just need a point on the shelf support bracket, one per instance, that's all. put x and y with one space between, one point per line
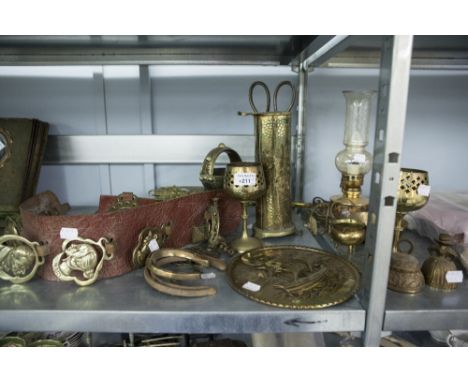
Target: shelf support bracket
390 126
300 135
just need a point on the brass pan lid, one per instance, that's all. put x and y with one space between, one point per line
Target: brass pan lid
293 277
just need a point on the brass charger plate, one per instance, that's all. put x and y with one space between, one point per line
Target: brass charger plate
293 277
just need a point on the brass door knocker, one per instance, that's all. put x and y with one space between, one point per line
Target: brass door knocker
146 236
210 230
83 256
19 258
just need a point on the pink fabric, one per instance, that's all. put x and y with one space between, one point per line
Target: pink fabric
444 212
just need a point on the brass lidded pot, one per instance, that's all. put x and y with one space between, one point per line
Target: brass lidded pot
405 274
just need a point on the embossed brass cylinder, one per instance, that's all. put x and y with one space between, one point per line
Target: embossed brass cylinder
273 151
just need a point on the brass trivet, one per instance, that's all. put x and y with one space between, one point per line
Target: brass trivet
294 277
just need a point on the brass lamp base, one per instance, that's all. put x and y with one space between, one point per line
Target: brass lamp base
344 207
265 233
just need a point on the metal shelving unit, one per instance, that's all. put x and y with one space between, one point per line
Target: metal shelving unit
127 304
385 309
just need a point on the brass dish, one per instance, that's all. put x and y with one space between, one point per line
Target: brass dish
294 277
349 232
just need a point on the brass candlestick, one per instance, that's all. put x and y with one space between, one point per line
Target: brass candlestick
413 193
245 181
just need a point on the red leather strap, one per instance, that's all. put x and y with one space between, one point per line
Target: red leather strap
122 226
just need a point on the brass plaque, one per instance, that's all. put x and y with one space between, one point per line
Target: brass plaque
293 277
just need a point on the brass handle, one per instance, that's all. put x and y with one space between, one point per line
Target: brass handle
207 170
267 93
293 96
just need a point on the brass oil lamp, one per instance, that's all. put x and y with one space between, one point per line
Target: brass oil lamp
348 211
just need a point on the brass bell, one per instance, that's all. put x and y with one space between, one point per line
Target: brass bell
440 262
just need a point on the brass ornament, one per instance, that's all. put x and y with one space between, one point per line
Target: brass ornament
248 191
12 225
162 258
210 230
162 194
83 256
19 258
350 204
348 232
273 151
211 177
160 278
294 277
442 260
6 143
142 248
408 198
124 201
405 273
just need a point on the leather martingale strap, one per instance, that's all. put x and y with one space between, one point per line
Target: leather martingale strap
122 227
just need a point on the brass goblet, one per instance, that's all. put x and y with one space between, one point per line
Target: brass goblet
349 232
413 193
245 181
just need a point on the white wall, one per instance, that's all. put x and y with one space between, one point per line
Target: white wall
206 99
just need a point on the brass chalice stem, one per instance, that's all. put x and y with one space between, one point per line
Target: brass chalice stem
399 228
245 215
350 251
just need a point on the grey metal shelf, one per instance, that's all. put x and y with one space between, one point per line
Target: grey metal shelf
431 309
128 304
146 50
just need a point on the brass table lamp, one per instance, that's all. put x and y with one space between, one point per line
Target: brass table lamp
245 181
